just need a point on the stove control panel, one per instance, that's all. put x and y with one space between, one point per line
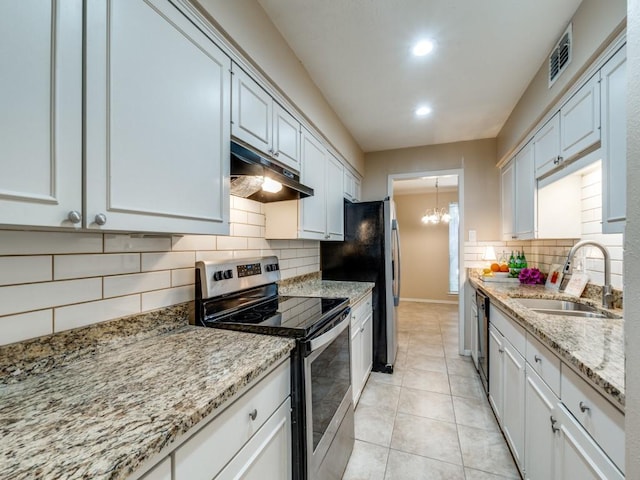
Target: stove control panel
219 278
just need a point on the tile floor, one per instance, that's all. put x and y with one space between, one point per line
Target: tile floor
430 419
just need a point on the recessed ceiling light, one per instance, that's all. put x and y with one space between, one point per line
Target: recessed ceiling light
423 111
422 48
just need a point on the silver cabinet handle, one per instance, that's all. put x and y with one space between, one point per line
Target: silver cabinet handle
100 219
554 429
327 236
584 407
501 350
74 216
276 153
362 329
537 358
254 414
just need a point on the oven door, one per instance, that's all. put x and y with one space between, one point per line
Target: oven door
328 397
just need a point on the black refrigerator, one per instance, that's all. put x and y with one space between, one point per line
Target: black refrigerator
370 252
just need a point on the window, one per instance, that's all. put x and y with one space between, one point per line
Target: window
454 225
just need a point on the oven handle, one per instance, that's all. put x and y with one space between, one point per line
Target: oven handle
328 337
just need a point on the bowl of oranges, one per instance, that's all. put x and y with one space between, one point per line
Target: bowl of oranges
500 269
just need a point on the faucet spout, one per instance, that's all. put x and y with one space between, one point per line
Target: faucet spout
607 294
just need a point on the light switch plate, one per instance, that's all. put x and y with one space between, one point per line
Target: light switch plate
472 236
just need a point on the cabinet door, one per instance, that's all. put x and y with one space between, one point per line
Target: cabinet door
513 406
496 375
614 142
335 199
41 113
367 346
546 146
525 193
540 422
157 121
580 120
348 184
252 111
356 359
161 471
507 176
578 456
267 454
314 209
286 138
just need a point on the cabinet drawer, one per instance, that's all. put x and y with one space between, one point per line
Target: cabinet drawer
360 311
598 417
161 471
544 363
508 327
209 450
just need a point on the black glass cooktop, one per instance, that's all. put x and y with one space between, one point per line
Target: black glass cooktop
281 315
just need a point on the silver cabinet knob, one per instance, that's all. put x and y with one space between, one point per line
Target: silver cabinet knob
537 358
554 429
74 216
254 414
276 153
100 219
501 350
584 407
327 236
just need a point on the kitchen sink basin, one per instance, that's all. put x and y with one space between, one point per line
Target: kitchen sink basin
564 307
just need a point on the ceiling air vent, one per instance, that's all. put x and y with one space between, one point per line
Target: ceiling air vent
560 56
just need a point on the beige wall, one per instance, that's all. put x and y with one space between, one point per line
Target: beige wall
424 248
595 24
481 209
247 26
632 247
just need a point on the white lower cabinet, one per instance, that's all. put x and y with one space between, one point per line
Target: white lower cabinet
557 425
361 345
161 471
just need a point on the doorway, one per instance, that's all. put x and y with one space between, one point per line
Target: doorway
429 208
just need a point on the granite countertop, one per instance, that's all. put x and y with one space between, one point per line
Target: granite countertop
103 415
316 287
593 346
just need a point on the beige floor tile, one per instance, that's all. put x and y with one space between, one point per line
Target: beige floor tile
426 437
417 347
367 462
486 451
462 366
374 425
380 395
431 363
472 474
472 413
424 380
405 466
426 404
394 378
469 387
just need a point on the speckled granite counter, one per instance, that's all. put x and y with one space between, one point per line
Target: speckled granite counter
104 415
316 287
593 346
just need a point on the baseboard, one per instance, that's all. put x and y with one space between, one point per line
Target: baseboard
423 300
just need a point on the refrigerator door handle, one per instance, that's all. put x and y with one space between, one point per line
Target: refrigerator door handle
396 283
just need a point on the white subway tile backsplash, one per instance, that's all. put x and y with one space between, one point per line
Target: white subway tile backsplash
165 298
258 244
282 244
239 216
25 269
35 243
183 276
255 219
193 242
139 282
136 243
241 230
24 326
166 261
38 296
232 243
74 316
80 266
239 254
216 256
240 203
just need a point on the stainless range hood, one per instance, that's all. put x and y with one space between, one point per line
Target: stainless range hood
249 171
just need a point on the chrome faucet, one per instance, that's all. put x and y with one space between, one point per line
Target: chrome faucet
607 294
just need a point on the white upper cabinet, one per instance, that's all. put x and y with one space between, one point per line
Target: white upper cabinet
157 121
262 123
41 113
507 199
313 218
546 146
335 202
525 194
351 186
580 120
614 142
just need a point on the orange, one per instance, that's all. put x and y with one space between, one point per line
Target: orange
495 267
504 267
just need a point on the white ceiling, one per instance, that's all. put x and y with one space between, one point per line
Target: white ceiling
446 183
358 52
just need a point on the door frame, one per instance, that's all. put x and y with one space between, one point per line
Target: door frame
462 271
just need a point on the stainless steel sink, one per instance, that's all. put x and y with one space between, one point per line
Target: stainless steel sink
564 307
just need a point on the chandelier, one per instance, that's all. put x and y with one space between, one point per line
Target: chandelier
436 215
